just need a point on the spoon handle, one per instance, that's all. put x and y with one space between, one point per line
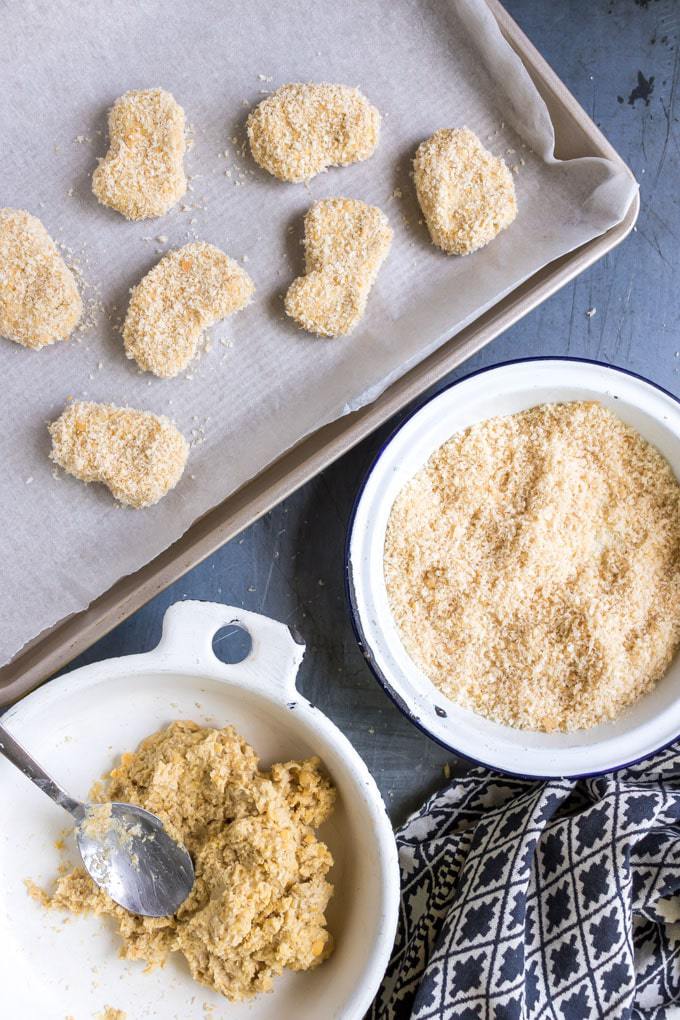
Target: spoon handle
19 756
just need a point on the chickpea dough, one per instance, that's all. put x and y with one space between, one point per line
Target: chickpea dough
346 242
466 194
39 299
142 174
258 903
189 290
139 456
302 129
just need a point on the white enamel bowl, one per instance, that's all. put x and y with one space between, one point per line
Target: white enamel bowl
645 727
76 725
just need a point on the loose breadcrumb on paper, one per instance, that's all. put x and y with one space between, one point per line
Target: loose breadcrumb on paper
259 900
142 174
138 455
533 567
302 129
466 194
346 242
39 298
189 290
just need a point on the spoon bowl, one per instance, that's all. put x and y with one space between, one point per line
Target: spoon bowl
128 853
124 848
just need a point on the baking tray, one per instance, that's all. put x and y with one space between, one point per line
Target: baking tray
575 135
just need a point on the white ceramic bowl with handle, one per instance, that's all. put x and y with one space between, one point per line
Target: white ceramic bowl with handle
77 725
649 724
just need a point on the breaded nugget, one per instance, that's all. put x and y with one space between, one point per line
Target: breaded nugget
139 456
346 242
466 194
189 290
142 174
39 299
301 129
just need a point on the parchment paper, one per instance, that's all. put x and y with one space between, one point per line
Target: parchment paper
264 384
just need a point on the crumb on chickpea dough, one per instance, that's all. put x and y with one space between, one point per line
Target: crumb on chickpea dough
467 195
184 294
39 298
346 242
142 174
301 129
138 455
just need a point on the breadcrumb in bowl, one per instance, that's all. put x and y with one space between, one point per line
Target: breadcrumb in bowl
533 567
39 299
139 456
648 723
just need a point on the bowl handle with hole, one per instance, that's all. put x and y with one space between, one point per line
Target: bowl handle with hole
190 626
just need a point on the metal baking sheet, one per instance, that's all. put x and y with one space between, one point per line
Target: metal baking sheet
576 135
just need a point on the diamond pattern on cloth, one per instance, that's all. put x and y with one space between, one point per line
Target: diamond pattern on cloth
554 900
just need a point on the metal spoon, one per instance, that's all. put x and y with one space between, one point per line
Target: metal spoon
124 848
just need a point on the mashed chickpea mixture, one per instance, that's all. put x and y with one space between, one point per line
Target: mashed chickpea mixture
260 895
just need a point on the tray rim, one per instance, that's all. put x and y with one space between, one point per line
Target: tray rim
56 646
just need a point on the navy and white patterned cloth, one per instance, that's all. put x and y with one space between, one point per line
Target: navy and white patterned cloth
525 899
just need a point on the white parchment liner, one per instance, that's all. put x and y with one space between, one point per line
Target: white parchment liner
424 64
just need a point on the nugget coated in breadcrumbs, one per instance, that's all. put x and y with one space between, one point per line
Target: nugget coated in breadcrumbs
466 194
302 129
139 456
346 242
142 174
39 299
189 290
